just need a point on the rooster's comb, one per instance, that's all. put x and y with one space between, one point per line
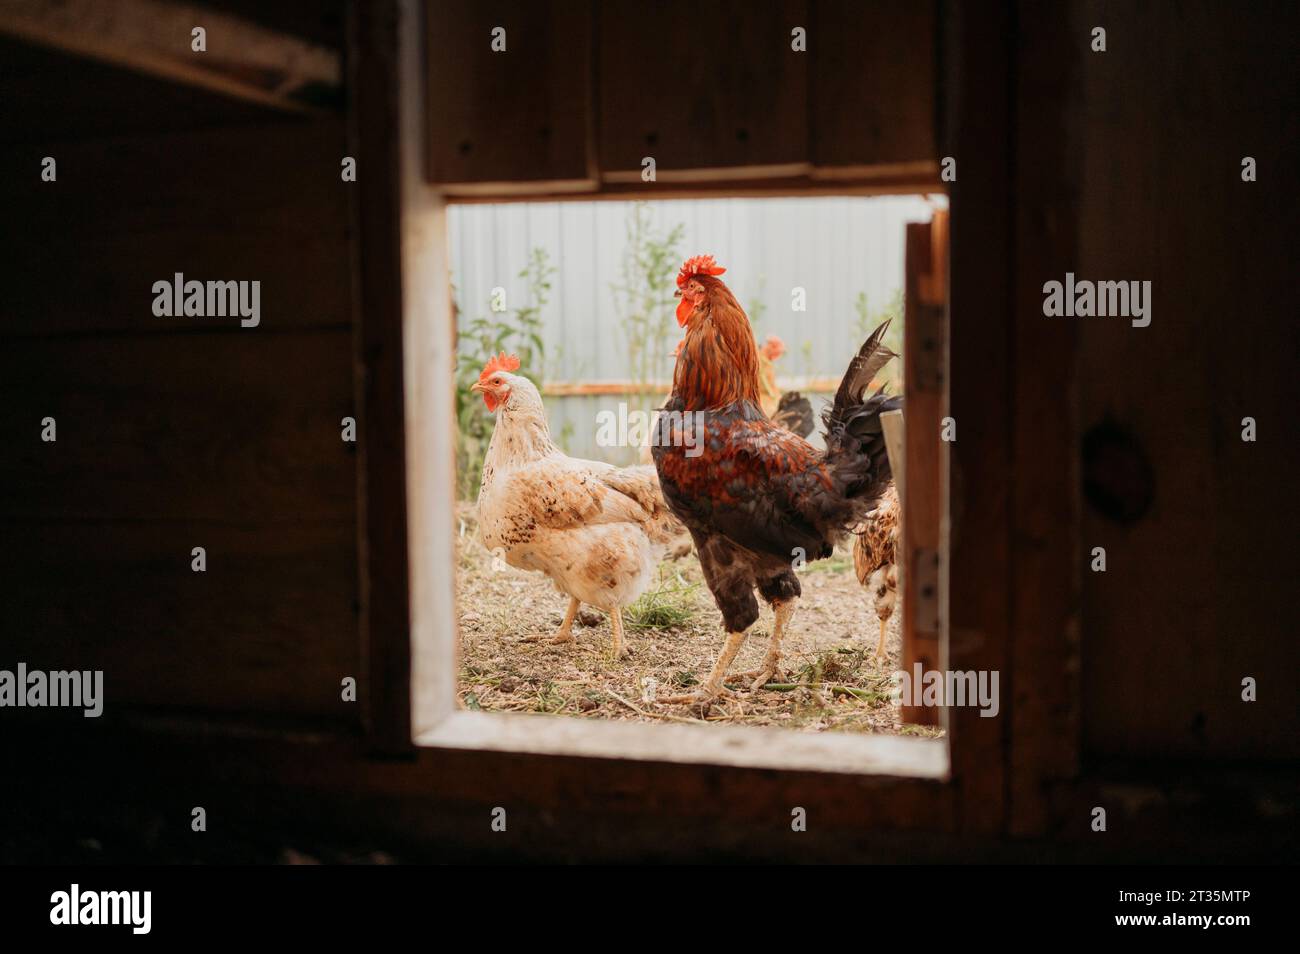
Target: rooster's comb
699 265
498 362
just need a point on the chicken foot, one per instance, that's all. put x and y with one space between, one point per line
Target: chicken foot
713 687
565 633
772 659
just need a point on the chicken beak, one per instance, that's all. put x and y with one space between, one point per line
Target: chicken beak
678 293
477 388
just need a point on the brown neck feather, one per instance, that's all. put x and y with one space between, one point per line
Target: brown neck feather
718 363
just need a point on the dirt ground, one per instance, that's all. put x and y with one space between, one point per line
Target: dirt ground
831 681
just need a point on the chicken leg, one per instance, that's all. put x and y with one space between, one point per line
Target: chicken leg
713 687
616 624
565 633
771 661
880 646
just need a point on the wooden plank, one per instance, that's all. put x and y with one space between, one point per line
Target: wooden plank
429 355
728 92
977 491
265 204
433 808
242 59
921 493
873 77
1045 551
269 628
621 187
383 139
48 94
223 427
523 114
1197 593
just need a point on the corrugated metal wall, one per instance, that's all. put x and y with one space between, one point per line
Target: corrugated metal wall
834 248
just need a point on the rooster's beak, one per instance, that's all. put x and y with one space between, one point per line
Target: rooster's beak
678 293
477 388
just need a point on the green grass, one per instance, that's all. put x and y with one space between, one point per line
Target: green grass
670 605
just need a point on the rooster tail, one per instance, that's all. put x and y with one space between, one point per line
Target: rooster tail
871 357
855 438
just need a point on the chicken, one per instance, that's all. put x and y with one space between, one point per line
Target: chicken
769 395
791 410
874 552
795 414
759 500
596 530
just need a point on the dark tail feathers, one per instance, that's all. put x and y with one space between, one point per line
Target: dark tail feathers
855 440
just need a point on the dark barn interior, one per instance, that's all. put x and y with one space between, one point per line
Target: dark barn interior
1122 689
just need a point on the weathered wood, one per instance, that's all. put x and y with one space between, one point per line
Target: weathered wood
429 354
620 810
523 114
979 394
268 628
383 140
234 428
924 177
49 95
1045 552
1198 593
265 204
701 87
873 78
920 493
242 59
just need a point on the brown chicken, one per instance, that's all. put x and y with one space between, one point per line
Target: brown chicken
757 499
791 410
874 553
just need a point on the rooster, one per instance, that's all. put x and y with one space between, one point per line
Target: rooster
759 499
596 530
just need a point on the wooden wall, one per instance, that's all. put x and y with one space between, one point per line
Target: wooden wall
1197 592
713 92
174 433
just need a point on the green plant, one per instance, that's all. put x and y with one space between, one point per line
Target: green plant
643 297
518 331
806 354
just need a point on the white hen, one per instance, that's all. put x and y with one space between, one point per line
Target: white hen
596 530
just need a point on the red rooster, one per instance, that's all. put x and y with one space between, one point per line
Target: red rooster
757 499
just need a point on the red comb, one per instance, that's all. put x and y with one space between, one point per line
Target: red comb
498 362
699 265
